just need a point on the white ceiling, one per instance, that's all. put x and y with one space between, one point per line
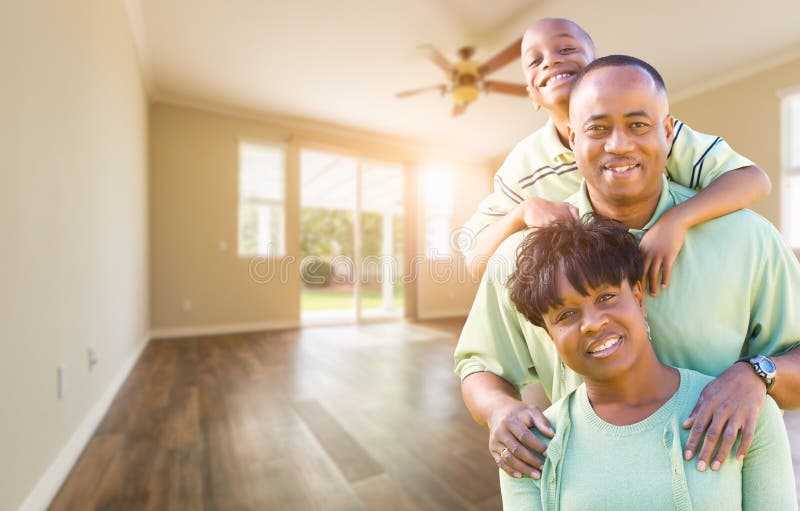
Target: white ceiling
342 61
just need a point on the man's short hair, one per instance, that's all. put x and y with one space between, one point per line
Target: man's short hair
619 61
592 252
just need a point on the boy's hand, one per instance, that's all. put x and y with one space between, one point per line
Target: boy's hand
660 246
536 212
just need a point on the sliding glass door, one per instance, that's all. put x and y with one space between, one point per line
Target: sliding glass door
351 234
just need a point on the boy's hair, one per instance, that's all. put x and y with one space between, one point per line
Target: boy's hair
591 252
619 61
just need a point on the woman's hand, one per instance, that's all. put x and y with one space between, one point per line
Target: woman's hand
513 446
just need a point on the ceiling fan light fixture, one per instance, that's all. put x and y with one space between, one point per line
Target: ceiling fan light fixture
465 94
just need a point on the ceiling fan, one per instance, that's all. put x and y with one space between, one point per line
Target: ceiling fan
466 78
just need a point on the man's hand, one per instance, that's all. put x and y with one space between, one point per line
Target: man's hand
660 246
510 439
535 212
729 404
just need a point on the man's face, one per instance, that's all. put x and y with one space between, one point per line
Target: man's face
620 130
552 52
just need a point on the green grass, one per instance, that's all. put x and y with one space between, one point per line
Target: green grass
326 299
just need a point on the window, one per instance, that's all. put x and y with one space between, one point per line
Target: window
262 192
438 192
790 222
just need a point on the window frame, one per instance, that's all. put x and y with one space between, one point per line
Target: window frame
255 201
428 216
790 175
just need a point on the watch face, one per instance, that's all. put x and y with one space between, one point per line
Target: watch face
767 365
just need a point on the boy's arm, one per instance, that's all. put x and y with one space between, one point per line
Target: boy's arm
729 192
728 182
532 212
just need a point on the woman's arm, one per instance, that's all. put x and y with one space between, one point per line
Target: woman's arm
520 494
767 475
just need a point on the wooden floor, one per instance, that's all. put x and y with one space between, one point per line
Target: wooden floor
335 418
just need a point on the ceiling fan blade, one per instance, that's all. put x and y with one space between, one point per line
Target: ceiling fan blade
510 53
406 93
515 89
459 108
437 58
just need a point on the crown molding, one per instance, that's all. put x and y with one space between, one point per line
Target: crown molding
723 79
133 9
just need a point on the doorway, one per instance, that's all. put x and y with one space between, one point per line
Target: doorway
351 238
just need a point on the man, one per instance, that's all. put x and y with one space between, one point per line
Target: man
735 289
540 172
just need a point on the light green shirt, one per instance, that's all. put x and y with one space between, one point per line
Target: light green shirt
540 166
734 291
594 465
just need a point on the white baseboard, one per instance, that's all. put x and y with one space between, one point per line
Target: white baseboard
45 490
234 328
443 314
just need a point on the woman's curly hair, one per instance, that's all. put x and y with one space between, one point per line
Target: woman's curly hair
592 252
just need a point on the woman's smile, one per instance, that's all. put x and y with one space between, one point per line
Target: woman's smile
605 347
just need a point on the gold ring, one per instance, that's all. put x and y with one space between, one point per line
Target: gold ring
503 452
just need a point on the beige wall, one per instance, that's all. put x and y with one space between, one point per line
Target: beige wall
445 286
194 206
747 114
73 209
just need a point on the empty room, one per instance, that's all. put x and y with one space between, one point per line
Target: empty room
262 255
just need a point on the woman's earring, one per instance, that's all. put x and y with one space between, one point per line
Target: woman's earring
650 337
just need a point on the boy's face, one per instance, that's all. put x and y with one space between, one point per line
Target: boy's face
552 52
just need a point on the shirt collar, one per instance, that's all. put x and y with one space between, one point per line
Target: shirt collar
665 201
552 144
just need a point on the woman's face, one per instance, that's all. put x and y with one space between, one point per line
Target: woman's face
601 335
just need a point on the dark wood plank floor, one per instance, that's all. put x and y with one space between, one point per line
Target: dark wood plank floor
335 418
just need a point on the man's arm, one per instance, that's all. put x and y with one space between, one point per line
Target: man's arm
495 403
786 390
731 402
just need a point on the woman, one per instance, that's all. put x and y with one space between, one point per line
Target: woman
618 436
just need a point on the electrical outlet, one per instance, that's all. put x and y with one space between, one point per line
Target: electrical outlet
187 306
61 382
91 356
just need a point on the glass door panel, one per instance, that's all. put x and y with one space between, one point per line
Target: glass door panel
327 241
381 240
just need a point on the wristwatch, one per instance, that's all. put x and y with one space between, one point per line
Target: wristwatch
764 368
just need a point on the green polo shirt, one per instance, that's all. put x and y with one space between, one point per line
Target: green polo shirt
540 166
734 291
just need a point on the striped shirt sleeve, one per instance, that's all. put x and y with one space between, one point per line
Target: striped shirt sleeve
506 194
695 159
